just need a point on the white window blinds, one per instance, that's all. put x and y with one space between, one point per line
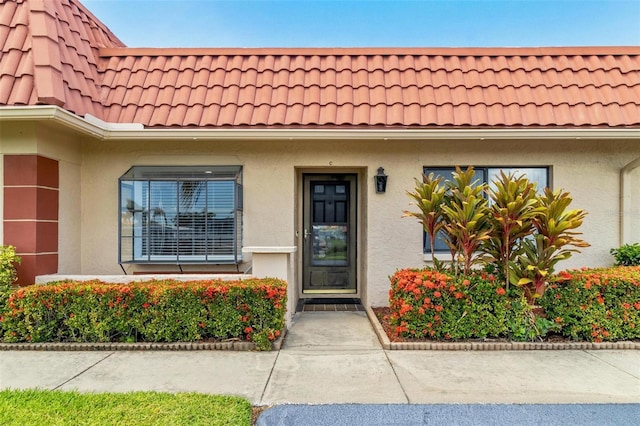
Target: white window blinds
181 214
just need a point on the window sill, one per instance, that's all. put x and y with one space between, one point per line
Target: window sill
223 261
442 257
270 249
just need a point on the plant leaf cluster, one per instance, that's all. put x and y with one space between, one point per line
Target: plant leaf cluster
507 225
8 274
627 255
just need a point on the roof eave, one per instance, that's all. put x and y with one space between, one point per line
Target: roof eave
370 134
101 130
54 114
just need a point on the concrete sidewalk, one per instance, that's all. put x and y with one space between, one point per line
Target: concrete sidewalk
335 358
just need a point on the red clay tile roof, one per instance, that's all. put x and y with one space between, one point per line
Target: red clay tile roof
49 51
89 71
373 87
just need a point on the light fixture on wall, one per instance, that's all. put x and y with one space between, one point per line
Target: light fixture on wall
381 181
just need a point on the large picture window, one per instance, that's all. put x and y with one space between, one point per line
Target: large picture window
181 214
537 175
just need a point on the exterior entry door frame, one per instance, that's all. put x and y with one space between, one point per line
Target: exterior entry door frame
329 234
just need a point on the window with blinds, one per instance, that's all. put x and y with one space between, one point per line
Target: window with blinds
537 175
181 214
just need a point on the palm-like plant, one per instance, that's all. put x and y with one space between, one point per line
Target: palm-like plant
514 206
466 217
524 233
555 239
428 196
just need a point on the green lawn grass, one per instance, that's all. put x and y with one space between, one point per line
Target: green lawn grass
41 407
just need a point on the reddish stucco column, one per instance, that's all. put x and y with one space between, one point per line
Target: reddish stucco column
31 213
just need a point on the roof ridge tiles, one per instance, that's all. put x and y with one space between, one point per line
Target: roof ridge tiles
96 23
374 51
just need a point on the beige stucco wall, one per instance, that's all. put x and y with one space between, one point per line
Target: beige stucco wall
590 172
90 168
631 214
65 147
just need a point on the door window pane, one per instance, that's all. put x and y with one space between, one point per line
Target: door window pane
329 245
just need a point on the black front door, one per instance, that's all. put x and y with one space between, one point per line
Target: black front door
329 232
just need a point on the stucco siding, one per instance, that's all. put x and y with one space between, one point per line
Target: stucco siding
69 219
590 173
633 212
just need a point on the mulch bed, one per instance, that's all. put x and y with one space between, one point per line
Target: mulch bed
256 410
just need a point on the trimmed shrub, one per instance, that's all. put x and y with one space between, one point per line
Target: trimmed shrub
596 304
8 276
627 255
153 311
8 260
429 304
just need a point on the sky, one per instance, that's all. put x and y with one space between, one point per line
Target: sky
370 23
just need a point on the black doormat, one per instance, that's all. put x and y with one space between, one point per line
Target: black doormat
326 304
330 300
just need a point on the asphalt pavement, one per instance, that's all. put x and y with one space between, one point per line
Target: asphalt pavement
451 414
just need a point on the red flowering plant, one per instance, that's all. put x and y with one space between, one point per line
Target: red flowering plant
597 305
428 304
153 311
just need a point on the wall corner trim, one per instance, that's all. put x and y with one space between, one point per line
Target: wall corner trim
625 196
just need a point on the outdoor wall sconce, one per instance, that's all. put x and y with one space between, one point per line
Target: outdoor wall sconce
381 181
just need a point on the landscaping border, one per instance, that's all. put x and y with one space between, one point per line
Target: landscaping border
237 346
489 346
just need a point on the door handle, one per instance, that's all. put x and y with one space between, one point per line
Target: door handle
306 234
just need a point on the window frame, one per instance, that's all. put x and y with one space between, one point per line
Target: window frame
445 254
176 174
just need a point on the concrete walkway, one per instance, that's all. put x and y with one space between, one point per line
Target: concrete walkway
335 357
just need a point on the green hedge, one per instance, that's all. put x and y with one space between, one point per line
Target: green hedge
584 305
8 275
153 311
596 304
428 304
627 255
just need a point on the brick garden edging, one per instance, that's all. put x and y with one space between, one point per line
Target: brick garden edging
177 346
488 346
